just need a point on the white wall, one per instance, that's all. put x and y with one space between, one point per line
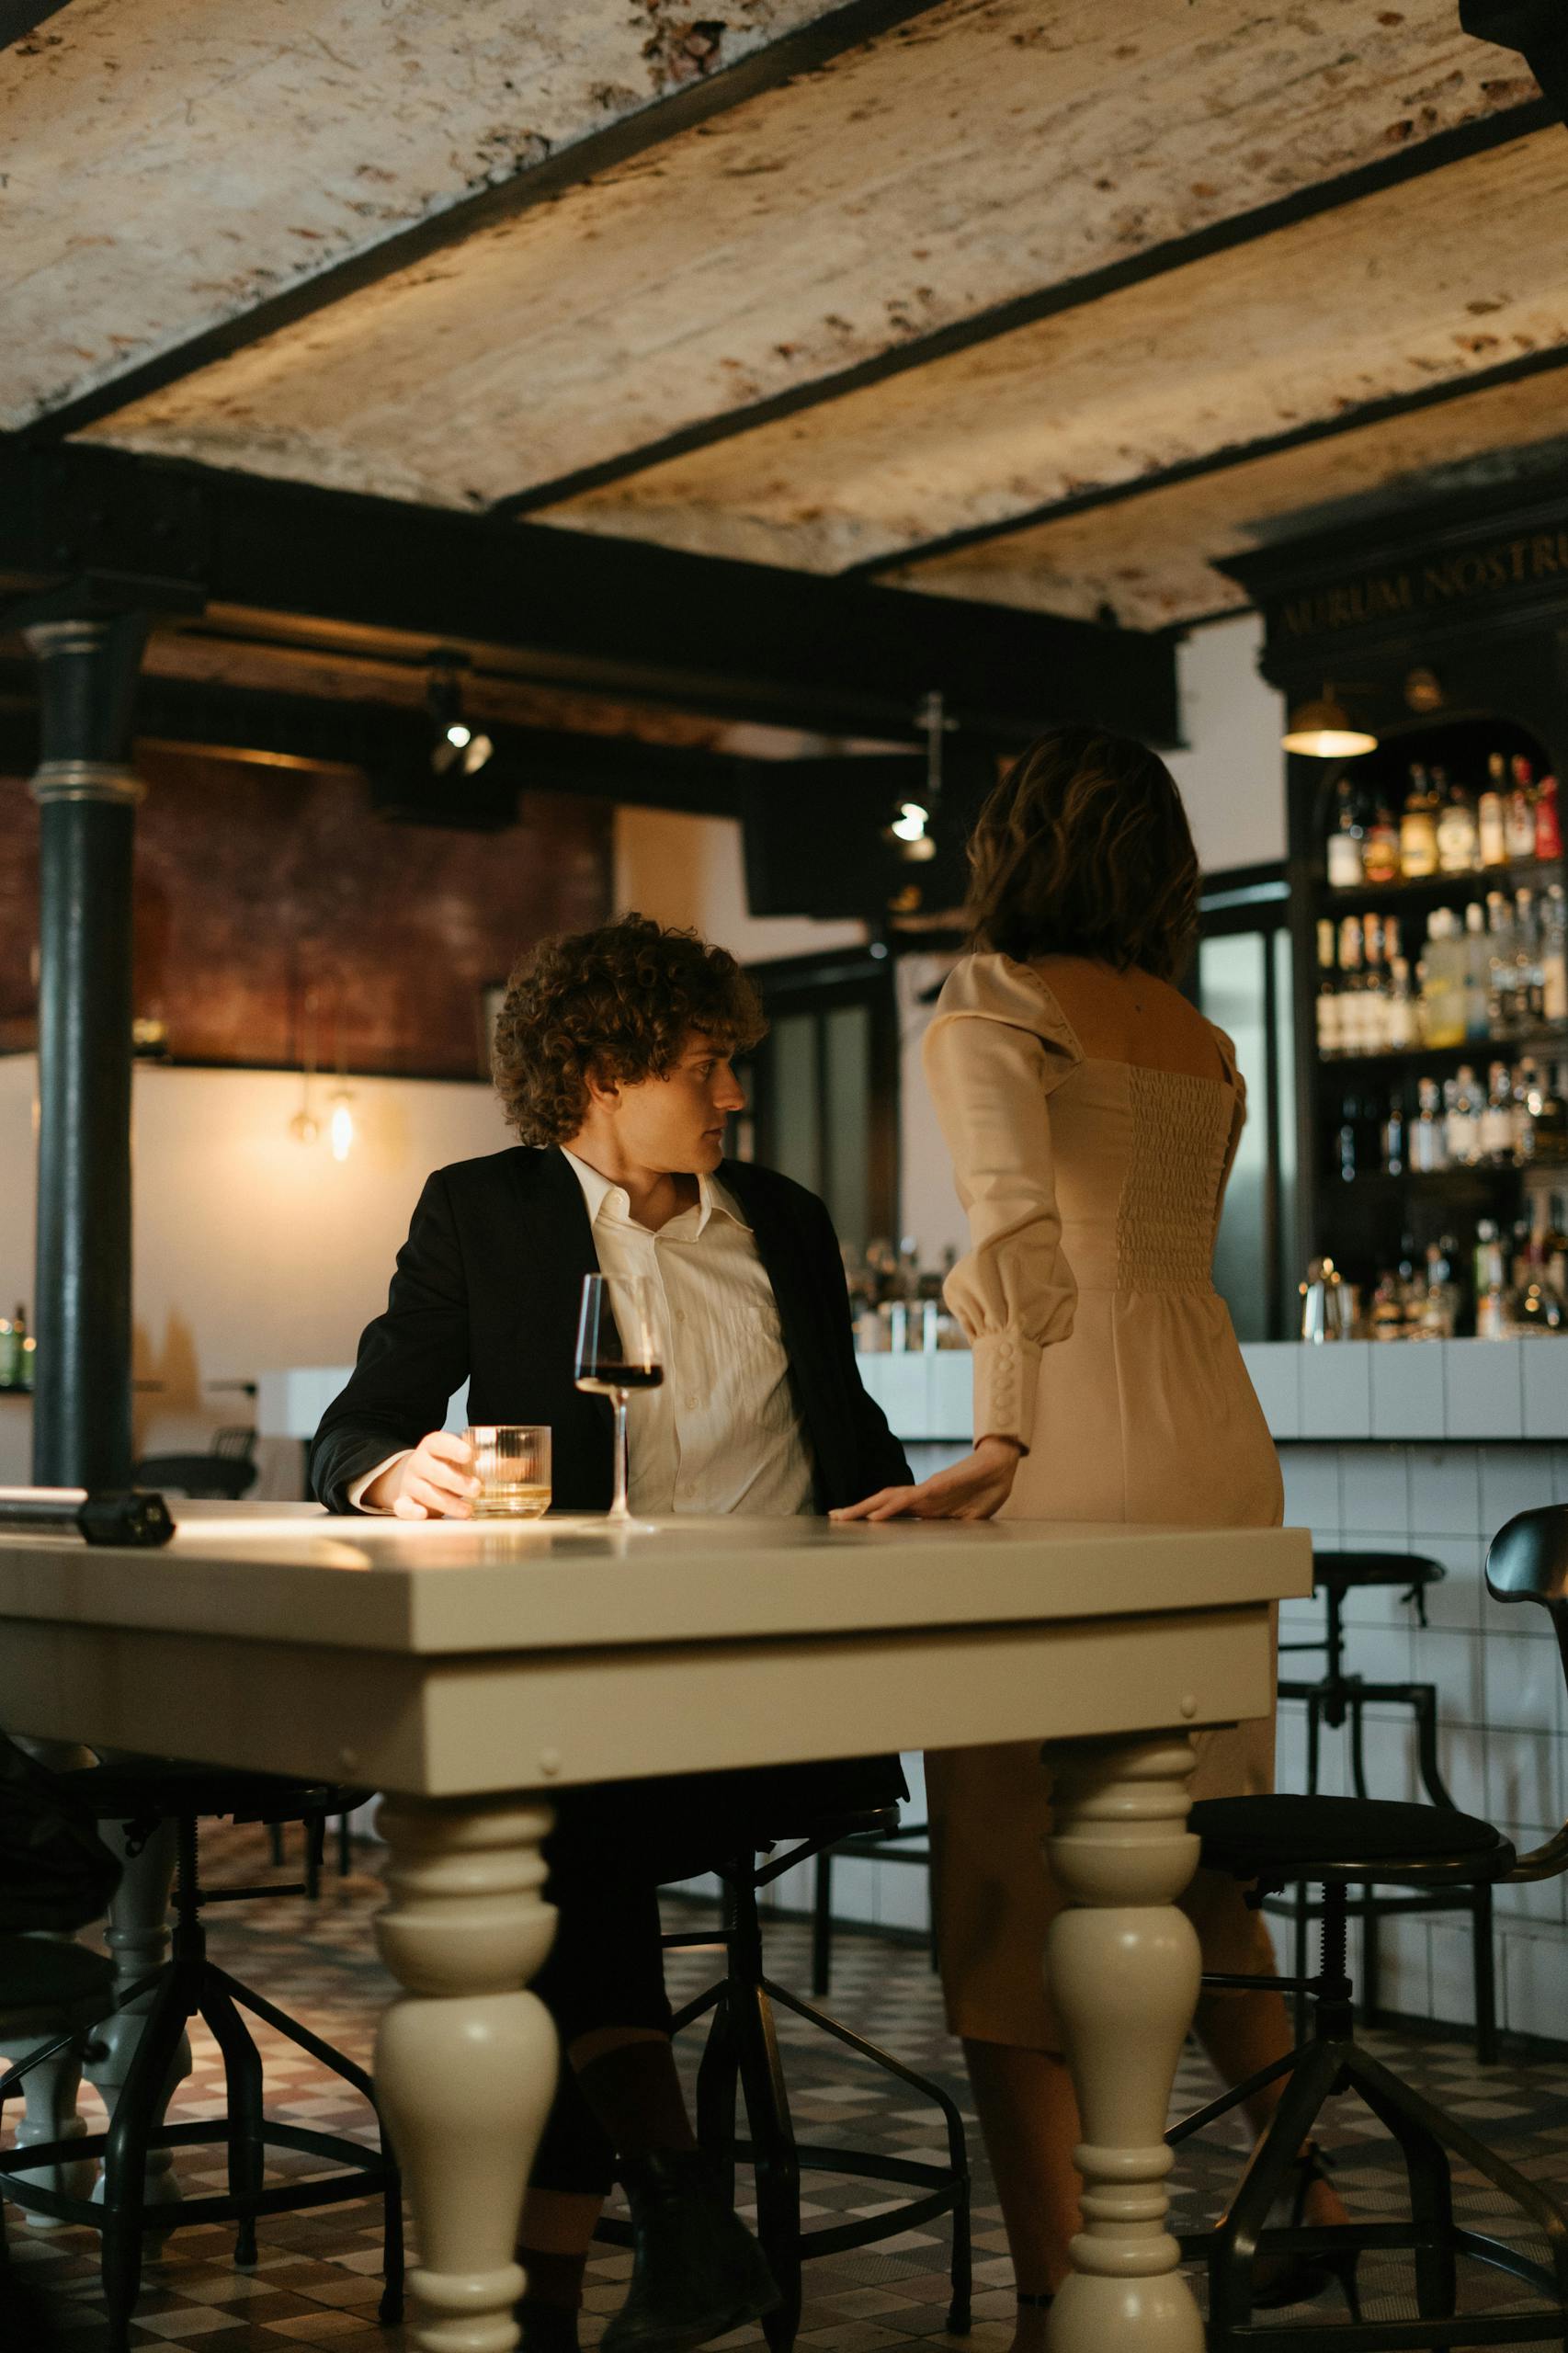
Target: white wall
1233 779
688 871
251 1251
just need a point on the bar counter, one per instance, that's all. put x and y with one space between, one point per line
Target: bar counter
468 1670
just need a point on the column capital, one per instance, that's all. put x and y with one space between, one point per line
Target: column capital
78 634
86 780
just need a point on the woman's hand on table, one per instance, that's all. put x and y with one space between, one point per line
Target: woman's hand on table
971 1489
436 1481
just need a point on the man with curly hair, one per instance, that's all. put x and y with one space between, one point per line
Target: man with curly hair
614 1059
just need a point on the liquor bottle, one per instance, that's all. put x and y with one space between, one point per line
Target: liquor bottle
1554 1243
1492 839
1352 982
1440 1314
26 1349
1380 848
1461 1106
1494 1131
1491 1283
1400 1008
1345 867
1328 1022
1501 968
1526 1104
1393 1137
1477 975
1374 990
1442 995
1457 847
1548 1117
1554 955
1548 820
10 1367
1428 1134
1418 829
1518 810
1347 1141
1529 979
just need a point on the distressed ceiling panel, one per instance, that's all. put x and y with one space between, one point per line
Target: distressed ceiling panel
168 166
990 149
1150 557
1388 296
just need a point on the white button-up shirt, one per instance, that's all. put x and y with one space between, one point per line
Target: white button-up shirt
723 1432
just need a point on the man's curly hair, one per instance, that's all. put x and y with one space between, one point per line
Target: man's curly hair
622 1001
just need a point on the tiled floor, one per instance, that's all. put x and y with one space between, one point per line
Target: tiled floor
317 2279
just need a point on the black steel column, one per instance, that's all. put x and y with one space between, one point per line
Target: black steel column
87 796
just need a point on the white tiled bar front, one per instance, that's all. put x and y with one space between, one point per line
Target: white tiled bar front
1428 1448
1418 1447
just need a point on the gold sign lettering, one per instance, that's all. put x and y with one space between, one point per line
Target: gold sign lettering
1444 580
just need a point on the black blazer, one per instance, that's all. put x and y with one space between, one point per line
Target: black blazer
487 1290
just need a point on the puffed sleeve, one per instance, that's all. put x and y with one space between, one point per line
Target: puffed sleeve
996 1050
1238 1108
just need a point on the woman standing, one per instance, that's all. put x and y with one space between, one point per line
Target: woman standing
1093 1116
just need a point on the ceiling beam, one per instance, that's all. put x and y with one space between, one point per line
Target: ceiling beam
1218 461
247 723
812 46
1403 165
1536 28
20 18
613 617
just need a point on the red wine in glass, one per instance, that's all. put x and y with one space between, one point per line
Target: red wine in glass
605 1379
616 1353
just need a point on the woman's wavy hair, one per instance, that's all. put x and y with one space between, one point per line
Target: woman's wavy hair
621 1001
1083 849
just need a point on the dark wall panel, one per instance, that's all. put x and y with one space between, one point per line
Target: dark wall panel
256 885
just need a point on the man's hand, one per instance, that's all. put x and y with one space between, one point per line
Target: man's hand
436 1481
971 1489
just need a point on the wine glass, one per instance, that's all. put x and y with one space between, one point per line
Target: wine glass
617 1352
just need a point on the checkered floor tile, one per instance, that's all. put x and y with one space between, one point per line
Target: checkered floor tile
317 2279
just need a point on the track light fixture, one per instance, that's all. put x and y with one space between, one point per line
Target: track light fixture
457 745
910 830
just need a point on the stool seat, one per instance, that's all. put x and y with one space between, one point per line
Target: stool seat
211 1478
1277 1839
875 1822
135 1792
50 1978
1342 1572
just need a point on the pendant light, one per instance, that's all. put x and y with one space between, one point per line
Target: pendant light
1322 729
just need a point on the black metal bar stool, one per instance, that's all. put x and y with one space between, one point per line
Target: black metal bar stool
1338 1700
909 1843
188 1985
741 2060
1339 1843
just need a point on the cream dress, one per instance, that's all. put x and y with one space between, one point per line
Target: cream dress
1093 1190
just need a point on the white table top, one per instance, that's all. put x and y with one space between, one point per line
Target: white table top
245 1570
446 1658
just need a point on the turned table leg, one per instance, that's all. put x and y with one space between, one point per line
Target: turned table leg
138 1941
1123 1967
50 2114
465 2057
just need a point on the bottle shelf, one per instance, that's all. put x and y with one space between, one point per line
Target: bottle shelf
1439 890
1474 1178
1545 1045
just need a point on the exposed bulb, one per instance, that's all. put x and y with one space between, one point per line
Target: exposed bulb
910 823
340 1131
458 734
